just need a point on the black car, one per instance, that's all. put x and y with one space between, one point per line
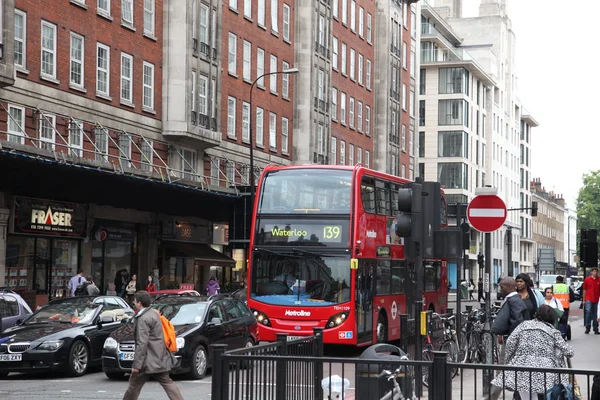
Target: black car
64 334
199 322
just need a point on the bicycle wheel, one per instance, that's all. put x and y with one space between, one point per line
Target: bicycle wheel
427 355
463 346
451 348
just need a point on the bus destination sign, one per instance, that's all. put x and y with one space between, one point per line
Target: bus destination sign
302 233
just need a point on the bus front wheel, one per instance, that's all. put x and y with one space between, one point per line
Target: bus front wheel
382 329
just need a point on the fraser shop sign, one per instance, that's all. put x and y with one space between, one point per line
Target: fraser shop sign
44 217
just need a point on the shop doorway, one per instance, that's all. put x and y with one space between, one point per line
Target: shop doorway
109 258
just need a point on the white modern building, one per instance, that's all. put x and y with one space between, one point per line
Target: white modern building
571 237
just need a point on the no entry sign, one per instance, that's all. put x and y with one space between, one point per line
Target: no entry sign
486 213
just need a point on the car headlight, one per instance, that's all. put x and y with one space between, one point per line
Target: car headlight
180 343
50 345
110 343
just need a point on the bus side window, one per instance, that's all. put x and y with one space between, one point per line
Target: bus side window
398 271
383 277
368 196
383 198
394 199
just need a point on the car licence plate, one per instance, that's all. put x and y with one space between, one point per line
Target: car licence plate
11 357
126 356
289 338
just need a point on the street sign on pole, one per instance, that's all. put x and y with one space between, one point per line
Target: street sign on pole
486 213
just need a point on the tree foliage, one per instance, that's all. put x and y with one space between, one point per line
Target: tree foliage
588 202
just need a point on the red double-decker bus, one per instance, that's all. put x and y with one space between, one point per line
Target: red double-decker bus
324 254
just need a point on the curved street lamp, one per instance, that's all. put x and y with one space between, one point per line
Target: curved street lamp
252 184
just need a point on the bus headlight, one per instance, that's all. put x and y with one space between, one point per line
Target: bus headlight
261 318
336 320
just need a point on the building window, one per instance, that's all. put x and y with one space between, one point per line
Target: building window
351 112
261 12
421 112
149 17
285 82
231 117
215 165
413 64
247 60
101 136
193 101
272 131
232 53
102 70
16 124
422 77
359 116
345 12
274 15
284 135
320 142
403 138
260 67
126 78
204 24
453 175
260 124
352 63
188 164
454 80
368 73
147 155
361 22
148 96
125 150
343 108
333 156
245 122
411 142
369 29
248 8
404 60
202 95
76 138
404 96
351 155
335 8
403 171
233 4
334 104
360 69
359 151
367 159
344 58
230 172
48 50
342 152
412 104
321 85
127 11
273 78
76 73
321 31
453 144
453 112
353 16
334 60
20 39
104 6
286 22
367 120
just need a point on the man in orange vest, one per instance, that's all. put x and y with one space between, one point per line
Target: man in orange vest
564 294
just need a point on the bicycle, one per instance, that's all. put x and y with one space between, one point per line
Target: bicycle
449 344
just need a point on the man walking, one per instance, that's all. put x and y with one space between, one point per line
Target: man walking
564 294
591 294
75 282
151 358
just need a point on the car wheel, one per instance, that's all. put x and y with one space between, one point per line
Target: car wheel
79 357
199 363
118 376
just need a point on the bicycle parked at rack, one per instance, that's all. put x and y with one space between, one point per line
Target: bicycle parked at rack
449 343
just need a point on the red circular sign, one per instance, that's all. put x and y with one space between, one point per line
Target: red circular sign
486 213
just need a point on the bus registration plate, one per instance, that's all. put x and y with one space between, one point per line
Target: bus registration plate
294 338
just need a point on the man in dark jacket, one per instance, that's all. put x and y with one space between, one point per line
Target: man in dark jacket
151 358
513 311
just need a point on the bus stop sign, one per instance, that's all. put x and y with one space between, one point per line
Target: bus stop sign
486 213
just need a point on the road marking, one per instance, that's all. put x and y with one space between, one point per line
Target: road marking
65 391
101 391
487 212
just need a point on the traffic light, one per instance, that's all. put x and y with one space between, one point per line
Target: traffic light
432 204
409 223
480 260
534 208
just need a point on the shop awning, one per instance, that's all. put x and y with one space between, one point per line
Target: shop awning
198 251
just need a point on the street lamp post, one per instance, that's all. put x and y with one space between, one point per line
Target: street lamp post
252 185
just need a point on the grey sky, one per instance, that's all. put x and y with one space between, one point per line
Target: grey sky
558 85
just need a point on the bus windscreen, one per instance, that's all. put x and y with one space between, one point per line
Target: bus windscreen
300 278
325 191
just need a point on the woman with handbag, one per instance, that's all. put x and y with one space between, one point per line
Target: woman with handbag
535 343
554 303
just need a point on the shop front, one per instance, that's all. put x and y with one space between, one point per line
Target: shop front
113 250
186 257
43 248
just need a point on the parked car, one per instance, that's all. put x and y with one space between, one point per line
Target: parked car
65 334
199 322
546 281
241 294
13 309
181 292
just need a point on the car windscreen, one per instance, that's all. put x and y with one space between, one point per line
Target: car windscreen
182 313
75 312
548 279
301 279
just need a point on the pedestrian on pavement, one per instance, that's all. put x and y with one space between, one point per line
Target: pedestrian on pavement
535 344
471 289
212 287
131 288
151 358
527 294
553 302
150 285
92 289
591 294
480 296
121 279
76 281
512 312
564 294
